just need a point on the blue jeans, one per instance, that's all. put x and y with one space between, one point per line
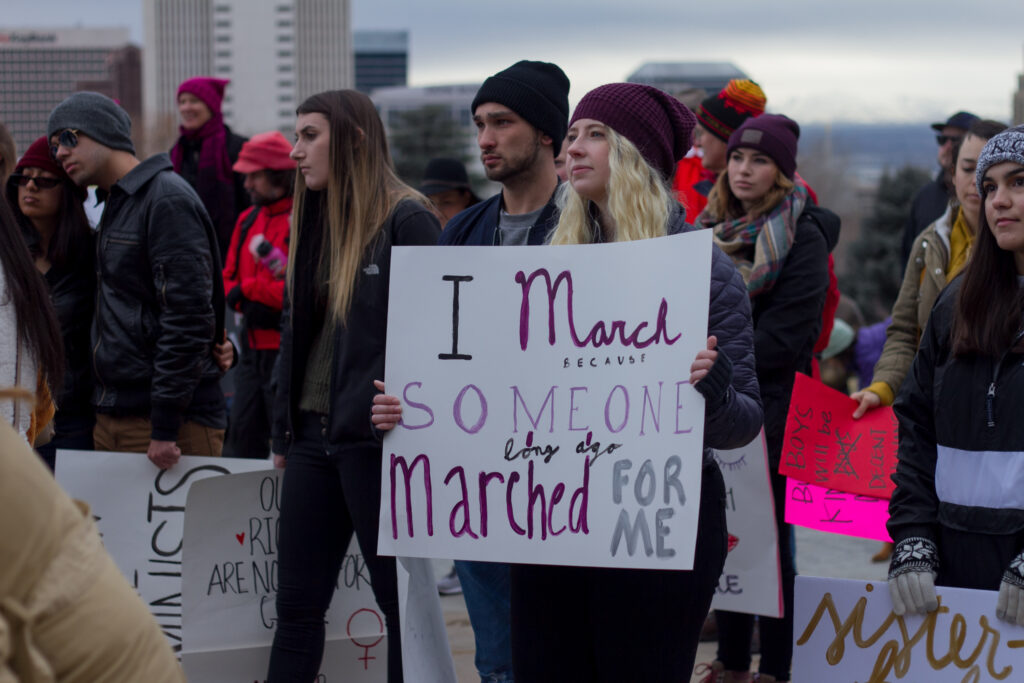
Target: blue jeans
485 586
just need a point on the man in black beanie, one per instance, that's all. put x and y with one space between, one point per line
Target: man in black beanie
521 116
159 296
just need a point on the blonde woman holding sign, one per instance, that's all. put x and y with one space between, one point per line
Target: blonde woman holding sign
601 624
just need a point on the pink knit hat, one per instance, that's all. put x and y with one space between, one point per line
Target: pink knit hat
209 90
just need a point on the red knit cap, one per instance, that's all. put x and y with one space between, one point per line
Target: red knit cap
654 121
38 156
266 151
209 90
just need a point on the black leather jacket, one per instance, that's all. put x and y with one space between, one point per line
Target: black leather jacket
159 303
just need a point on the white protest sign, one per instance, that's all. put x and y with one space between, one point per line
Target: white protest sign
752 579
548 415
140 512
846 631
230 578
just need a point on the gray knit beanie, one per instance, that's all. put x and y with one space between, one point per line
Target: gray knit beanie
1007 146
95 115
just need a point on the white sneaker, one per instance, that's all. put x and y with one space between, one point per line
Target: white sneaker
449 583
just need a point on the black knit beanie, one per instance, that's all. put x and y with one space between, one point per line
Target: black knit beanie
537 91
97 116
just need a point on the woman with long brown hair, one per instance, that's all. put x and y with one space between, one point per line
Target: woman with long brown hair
350 209
48 207
31 356
957 513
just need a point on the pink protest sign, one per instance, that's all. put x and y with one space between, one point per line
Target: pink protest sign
835 511
825 446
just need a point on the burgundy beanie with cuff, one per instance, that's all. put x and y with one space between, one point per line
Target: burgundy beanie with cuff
772 134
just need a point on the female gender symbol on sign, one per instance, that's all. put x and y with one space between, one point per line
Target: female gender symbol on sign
365 659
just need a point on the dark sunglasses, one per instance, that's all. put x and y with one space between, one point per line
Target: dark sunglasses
67 138
23 180
943 139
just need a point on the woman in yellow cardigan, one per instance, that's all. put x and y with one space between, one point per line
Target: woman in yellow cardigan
938 255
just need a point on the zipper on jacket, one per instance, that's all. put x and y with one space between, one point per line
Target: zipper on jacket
989 400
990 396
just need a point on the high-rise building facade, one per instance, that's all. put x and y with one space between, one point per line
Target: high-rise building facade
275 53
40 67
381 59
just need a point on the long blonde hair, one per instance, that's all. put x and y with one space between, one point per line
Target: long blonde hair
362 191
723 204
639 201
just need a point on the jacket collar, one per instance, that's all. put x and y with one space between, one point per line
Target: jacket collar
282 205
136 178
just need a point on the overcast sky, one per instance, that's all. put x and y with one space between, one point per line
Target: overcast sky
817 60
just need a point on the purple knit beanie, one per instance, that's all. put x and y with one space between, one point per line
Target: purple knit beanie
773 134
209 90
654 121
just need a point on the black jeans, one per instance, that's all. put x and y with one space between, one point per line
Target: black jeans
252 409
601 624
735 630
325 496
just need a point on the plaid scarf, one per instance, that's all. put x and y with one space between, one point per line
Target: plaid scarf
759 249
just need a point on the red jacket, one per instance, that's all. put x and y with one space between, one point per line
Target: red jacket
257 282
690 174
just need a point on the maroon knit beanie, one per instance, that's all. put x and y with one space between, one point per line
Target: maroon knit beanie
209 90
773 134
38 156
654 121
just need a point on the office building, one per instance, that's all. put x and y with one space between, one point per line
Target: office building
40 67
381 59
275 53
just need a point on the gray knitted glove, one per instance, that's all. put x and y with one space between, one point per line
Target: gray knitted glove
1010 604
912 571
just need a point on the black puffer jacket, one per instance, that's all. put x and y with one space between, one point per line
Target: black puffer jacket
735 419
159 303
359 346
787 320
961 438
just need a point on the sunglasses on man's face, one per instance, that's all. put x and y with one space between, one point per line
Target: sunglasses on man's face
943 139
22 180
67 138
